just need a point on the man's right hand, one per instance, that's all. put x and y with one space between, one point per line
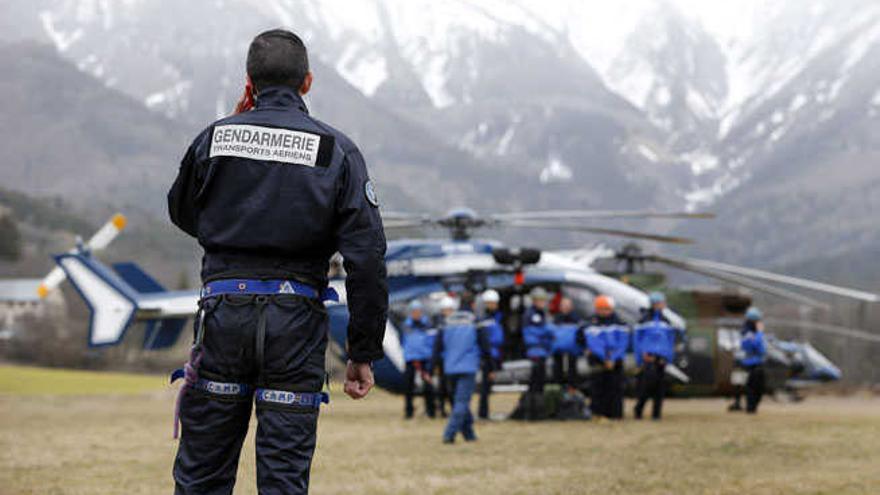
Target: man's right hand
358 380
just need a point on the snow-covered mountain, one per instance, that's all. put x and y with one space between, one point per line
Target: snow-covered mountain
569 103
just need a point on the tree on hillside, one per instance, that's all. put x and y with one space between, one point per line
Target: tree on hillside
10 238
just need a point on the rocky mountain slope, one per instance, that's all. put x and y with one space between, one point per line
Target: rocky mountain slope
766 113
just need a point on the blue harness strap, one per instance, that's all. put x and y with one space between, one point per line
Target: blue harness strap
267 287
285 398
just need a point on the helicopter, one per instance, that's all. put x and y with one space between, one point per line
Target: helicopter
123 294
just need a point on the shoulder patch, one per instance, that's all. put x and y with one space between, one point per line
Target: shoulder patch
272 144
370 193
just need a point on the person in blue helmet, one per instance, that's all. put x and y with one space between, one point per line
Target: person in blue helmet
460 345
418 347
751 359
654 347
493 323
606 338
538 337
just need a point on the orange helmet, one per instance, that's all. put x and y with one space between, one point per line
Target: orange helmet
603 303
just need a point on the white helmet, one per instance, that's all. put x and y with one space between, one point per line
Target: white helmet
447 303
491 296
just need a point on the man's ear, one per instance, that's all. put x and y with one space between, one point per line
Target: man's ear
307 84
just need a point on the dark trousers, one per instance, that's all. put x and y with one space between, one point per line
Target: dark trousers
486 368
427 391
565 369
214 426
538 375
754 388
607 392
651 385
443 392
461 420
737 398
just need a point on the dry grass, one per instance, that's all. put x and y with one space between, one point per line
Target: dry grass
112 444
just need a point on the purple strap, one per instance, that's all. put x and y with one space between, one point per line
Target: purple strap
190 377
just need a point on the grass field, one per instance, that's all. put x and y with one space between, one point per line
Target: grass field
86 433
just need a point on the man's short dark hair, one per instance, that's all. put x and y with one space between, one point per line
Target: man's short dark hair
277 58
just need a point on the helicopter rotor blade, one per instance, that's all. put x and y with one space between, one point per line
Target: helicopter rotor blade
401 224
784 279
597 214
737 280
853 333
598 230
399 215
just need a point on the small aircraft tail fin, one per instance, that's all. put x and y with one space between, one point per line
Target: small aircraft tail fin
160 333
112 302
102 238
137 278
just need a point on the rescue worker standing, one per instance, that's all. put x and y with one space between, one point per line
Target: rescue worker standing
653 346
567 346
752 358
538 338
418 348
271 193
460 345
447 308
493 324
607 340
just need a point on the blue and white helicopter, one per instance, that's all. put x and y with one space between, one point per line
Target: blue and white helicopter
425 269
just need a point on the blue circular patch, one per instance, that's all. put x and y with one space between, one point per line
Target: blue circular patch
370 192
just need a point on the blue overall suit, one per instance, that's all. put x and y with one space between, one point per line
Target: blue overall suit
754 351
418 348
607 340
653 346
566 349
271 194
538 339
492 324
460 345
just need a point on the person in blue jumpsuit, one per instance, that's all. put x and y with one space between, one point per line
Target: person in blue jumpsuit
447 308
567 348
751 358
493 324
607 341
271 193
654 347
459 346
418 347
538 338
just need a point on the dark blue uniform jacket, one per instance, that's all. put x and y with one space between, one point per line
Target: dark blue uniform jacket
273 193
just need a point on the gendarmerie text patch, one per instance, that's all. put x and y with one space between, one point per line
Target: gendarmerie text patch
267 143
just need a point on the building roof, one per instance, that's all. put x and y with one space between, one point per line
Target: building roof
19 290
